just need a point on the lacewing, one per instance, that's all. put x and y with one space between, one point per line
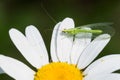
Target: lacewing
95 29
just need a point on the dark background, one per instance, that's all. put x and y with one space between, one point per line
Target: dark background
21 13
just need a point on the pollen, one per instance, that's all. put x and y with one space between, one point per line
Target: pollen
58 71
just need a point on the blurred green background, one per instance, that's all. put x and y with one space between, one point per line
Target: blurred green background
21 13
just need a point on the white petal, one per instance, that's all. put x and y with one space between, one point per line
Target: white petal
92 50
80 42
113 76
53 46
1 71
27 49
37 43
64 41
104 65
16 69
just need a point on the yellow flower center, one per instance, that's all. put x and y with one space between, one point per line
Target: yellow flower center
58 71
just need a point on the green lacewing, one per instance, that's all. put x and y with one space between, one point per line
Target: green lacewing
95 29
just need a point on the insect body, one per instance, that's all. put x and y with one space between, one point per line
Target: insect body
74 31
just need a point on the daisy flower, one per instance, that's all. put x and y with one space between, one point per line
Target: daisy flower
71 58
